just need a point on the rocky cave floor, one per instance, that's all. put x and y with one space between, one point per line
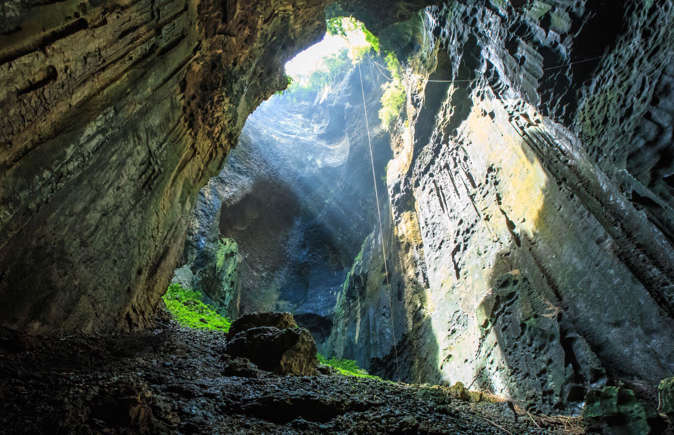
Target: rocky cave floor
176 380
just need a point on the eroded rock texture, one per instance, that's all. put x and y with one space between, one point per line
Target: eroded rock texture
179 381
297 197
531 237
115 113
530 194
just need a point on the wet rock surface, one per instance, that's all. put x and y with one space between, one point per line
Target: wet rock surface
536 143
617 410
114 118
666 396
180 381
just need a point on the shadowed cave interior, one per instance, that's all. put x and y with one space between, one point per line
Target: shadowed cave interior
444 217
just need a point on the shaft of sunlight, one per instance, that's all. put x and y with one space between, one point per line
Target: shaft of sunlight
313 59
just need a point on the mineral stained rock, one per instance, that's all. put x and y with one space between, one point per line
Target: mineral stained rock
115 114
666 396
530 235
617 410
530 204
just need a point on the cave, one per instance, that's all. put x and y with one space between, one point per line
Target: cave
475 218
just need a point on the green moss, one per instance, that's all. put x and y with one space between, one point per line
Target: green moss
617 407
345 284
539 9
359 256
226 249
346 367
394 96
227 265
188 309
560 22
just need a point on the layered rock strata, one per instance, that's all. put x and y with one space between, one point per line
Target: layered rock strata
530 242
115 113
530 194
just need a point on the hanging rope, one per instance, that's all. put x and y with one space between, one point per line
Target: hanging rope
381 230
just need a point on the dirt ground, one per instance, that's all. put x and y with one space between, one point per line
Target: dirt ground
174 380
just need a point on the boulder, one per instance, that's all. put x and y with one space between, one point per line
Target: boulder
274 343
241 367
283 351
253 320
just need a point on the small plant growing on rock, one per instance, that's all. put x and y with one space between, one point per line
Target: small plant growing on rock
394 95
346 367
188 309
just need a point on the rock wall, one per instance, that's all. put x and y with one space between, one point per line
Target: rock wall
115 113
530 243
296 195
530 198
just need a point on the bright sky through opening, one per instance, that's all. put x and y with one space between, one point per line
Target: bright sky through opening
313 58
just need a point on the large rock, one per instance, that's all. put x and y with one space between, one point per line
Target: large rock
113 119
216 275
253 320
274 343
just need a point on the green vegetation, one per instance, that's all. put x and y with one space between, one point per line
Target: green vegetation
343 26
394 96
346 367
188 309
290 82
226 273
359 42
226 249
335 67
356 262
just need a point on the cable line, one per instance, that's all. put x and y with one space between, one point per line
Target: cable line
589 59
381 230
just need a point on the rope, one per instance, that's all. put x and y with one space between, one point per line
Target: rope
589 59
450 81
381 230
376 190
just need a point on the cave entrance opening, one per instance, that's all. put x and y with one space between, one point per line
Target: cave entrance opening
284 223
